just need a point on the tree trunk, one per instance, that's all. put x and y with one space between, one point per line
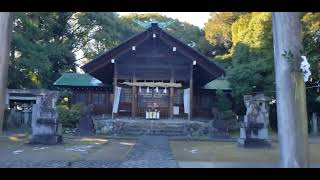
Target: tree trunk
6 22
291 93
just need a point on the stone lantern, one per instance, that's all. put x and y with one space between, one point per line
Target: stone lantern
254 128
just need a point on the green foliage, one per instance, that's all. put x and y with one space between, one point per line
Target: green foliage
218 29
64 98
105 30
41 49
249 61
69 117
223 103
251 69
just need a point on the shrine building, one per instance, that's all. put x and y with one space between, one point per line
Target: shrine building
151 71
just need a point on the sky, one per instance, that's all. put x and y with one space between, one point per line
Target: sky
195 18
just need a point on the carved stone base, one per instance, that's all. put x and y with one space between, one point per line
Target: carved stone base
254 143
45 139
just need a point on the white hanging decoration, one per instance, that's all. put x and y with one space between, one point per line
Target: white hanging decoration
140 90
165 91
157 89
154 35
133 48
305 68
194 63
148 90
174 49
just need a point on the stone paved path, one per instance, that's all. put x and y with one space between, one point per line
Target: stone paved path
150 152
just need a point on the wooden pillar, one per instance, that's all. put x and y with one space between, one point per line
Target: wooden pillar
106 101
134 98
171 95
290 90
191 92
115 82
6 22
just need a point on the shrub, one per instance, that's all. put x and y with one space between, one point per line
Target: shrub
64 98
69 117
222 103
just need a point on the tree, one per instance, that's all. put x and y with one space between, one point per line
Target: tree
251 68
223 103
218 30
311 44
42 49
291 94
46 44
106 30
6 20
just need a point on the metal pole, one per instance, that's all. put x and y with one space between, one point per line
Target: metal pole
291 93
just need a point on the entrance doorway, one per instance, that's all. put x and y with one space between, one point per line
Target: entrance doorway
153 99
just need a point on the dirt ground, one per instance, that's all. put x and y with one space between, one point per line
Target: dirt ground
230 152
14 147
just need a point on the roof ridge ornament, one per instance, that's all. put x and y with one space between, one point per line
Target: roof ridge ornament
149 24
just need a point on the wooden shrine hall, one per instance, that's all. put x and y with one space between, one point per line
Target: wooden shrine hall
154 71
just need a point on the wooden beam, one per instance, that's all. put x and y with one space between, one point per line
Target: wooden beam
191 92
134 98
107 97
171 94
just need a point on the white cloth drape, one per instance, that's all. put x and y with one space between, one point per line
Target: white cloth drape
186 100
116 100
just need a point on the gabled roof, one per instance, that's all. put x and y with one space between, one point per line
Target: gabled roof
78 80
218 84
102 64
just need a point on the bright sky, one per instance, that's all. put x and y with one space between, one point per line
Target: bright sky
195 18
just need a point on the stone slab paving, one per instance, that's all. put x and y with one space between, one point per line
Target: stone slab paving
34 164
204 164
150 152
95 164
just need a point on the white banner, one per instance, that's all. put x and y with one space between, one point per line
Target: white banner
175 110
116 100
186 100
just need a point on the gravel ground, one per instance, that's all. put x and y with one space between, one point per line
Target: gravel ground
147 152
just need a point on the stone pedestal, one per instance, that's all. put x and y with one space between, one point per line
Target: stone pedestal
254 129
45 127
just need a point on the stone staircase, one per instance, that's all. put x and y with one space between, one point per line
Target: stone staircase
154 128
147 127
